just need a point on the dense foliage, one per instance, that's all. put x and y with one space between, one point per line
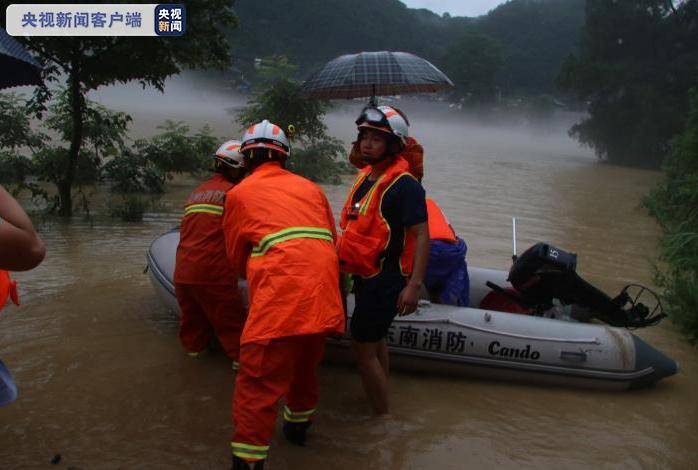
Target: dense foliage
674 203
535 36
90 62
472 63
29 157
638 61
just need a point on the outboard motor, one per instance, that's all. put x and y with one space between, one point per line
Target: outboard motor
544 273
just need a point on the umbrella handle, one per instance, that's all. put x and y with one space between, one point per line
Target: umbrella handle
373 102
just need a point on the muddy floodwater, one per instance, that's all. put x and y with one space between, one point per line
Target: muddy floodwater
104 383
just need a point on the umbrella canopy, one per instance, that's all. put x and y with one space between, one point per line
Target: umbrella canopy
17 66
375 74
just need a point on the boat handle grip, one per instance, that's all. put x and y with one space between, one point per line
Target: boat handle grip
578 356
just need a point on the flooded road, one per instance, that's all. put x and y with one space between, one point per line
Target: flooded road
103 380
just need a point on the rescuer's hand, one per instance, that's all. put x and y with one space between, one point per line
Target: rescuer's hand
408 299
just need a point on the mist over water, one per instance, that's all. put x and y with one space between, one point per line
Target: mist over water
198 101
104 382
194 100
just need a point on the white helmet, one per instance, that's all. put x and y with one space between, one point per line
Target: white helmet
265 135
386 119
229 154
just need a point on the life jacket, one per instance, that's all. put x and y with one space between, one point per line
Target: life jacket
8 288
413 153
366 233
201 251
439 227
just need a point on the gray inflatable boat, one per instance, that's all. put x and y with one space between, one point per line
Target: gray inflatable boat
472 342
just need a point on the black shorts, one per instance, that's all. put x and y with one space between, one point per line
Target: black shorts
375 306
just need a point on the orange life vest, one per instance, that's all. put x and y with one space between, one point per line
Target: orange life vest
8 288
201 252
366 233
439 228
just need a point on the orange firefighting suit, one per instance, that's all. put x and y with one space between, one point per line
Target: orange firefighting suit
205 283
280 235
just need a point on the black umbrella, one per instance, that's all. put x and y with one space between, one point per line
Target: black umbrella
17 66
375 74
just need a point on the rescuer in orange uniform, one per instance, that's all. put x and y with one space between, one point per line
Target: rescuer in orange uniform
205 284
280 236
446 279
384 244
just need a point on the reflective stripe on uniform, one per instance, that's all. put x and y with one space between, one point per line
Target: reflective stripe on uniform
369 197
249 451
297 416
203 208
289 234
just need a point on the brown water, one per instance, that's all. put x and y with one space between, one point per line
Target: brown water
104 383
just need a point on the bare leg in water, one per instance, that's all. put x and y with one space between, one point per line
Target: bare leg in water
383 357
372 359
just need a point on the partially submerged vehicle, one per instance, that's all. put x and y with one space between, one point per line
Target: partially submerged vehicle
559 342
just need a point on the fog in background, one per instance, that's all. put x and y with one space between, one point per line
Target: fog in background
481 170
198 101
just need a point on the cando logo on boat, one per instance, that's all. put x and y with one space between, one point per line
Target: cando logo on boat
525 353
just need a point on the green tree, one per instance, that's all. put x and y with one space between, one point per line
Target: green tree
275 67
141 167
15 124
16 135
152 162
132 172
103 136
636 65
536 35
472 63
283 104
315 154
90 62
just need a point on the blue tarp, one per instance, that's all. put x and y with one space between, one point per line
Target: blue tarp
447 272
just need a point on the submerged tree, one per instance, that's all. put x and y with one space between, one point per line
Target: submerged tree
150 163
90 62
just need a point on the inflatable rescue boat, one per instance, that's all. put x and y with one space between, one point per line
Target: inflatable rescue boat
476 342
